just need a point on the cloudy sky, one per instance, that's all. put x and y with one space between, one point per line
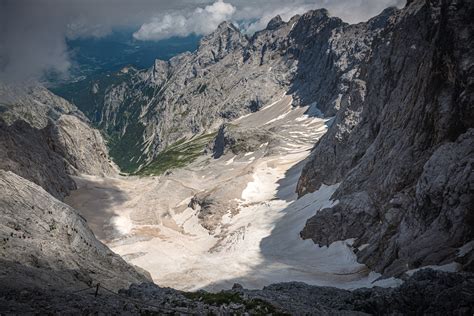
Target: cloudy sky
33 33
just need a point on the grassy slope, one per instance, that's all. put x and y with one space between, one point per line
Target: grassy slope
177 155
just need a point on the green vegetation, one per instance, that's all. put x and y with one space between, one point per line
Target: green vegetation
177 155
215 298
255 305
80 93
126 149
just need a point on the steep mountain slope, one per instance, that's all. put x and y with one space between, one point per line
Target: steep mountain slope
229 75
45 139
47 244
402 103
391 180
402 146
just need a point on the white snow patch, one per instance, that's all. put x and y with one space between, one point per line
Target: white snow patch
450 267
122 224
262 187
362 247
280 117
230 161
256 244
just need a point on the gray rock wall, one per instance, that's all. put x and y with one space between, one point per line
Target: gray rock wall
402 145
45 139
41 234
314 57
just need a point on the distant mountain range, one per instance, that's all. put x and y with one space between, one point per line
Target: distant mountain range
95 56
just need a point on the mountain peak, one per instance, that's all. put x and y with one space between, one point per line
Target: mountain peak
225 26
275 23
319 14
226 38
226 31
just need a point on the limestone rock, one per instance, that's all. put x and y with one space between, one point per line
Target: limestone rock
30 153
82 146
314 57
427 291
402 145
45 139
240 140
47 244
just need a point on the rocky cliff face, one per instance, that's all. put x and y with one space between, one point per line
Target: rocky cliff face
28 152
313 56
33 104
44 243
329 54
45 139
47 244
402 145
82 146
400 141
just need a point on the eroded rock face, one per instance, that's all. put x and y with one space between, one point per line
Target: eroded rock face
46 237
240 140
45 139
32 103
45 244
82 146
313 56
30 152
402 145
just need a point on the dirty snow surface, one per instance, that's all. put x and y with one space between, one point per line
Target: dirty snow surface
250 232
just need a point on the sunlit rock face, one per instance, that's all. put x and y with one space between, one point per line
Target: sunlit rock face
313 57
402 146
313 151
47 244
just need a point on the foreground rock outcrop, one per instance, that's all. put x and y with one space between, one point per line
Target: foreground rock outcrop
402 146
427 292
46 244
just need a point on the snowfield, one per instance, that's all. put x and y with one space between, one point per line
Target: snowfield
256 223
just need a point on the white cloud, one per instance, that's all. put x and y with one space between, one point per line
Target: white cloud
285 12
201 21
353 11
33 32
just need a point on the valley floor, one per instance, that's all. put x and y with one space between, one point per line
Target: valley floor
250 212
